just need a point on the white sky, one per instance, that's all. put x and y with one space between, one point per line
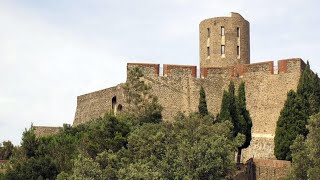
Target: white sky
53 51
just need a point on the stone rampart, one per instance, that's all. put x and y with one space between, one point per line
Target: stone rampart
179 71
178 91
41 131
151 70
270 169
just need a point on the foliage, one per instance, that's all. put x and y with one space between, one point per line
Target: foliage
190 148
233 108
29 142
141 103
306 152
292 122
6 150
203 109
106 133
84 168
33 168
245 122
229 110
135 145
296 111
309 90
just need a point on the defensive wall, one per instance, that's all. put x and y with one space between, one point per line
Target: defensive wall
178 91
263 169
41 131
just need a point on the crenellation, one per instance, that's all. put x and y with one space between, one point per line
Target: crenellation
151 70
262 67
41 131
179 70
291 65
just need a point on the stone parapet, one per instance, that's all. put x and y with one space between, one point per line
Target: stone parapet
179 70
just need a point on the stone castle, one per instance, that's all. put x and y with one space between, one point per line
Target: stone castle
224 56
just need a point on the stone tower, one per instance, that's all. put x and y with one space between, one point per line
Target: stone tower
224 41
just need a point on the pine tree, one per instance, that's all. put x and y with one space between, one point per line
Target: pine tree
203 109
291 123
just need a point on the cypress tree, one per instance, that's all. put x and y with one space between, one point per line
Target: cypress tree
229 110
309 90
203 109
245 122
296 112
224 111
234 111
291 123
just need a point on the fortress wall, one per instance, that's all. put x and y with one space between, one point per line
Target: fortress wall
266 96
172 94
271 169
266 93
96 104
151 70
41 131
179 71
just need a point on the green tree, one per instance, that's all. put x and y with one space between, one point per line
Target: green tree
229 109
29 142
306 152
224 114
203 109
291 123
245 122
33 168
141 103
300 159
84 168
104 133
190 148
309 90
6 150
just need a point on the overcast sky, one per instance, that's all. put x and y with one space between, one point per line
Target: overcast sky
53 51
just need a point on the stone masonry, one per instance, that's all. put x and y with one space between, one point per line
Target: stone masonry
178 91
267 83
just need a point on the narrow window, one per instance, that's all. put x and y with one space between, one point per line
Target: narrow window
114 101
119 108
222 49
222 30
238 50
208 51
209 32
238 32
